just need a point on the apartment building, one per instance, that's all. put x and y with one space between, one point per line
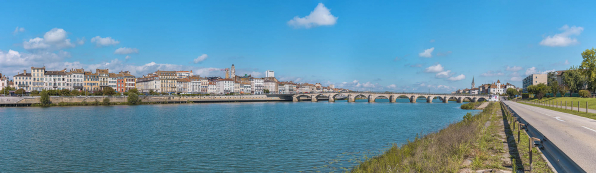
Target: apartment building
257 85
534 79
149 83
77 78
112 80
91 82
168 81
23 81
270 86
194 86
56 80
225 86
129 80
212 88
182 85
3 81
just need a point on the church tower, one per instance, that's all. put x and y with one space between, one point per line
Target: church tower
233 74
473 82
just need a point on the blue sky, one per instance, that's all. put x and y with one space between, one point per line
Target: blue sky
380 46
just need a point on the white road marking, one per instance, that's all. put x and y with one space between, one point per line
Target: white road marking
559 119
589 128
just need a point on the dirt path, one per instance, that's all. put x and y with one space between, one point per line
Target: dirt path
483 105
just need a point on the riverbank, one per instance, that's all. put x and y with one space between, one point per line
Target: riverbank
123 100
478 142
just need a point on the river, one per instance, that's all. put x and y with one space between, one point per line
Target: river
214 137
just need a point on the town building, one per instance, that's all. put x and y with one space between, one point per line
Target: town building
182 85
91 82
129 80
270 86
257 85
3 81
204 85
212 88
103 77
269 73
149 83
183 74
55 80
246 88
23 81
225 86
112 79
77 78
534 79
168 81
194 87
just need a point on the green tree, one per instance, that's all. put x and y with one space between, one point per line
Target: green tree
512 92
64 92
133 98
134 90
553 83
20 91
109 91
34 93
574 80
98 93
266 91
45 98
6 90
75 92
588 67
563 90
106 101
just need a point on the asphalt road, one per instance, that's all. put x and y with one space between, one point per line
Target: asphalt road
572 134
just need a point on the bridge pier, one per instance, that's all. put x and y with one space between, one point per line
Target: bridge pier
314 99
295 99
429 99
392 99
351 99
331 99
446 99
371 99
413 99
460 100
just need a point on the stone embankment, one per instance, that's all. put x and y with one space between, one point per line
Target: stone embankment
25 101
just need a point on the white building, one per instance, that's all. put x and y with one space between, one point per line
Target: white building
112 78
183 74
245 88
271 86
23 81
269 73
148 83
257 85
212 88
225 86
77 79
204 85
3 81
195 85
56 80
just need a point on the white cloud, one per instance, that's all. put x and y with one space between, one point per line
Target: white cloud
54 39
127 57
563 39
201 58
81 41
443 74
14 61
457 78
125 50
491 73
321 16
392 86
516 79
514 68
17 30
530 71
427 53
434 69
100 42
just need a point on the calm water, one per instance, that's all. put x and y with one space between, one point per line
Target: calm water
222 137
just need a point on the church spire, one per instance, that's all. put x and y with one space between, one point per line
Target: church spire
472 82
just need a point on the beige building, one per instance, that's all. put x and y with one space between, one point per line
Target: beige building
534 79
23 81
168 80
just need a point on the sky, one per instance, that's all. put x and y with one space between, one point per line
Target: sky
399 46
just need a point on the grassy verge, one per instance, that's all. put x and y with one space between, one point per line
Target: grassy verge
582 101
520 152
470 105
443 151
582 113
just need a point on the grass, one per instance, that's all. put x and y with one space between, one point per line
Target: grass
521 148
582 101
443 151
471 105
581 113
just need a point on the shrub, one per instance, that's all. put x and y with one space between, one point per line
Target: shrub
584 93
84 103
96 102
45 98
106 101
133 98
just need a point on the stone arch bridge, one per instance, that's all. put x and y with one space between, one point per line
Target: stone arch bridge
351 96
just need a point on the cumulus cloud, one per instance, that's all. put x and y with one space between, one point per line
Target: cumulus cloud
531 70
392 86
514 68
434 69
81 41
516 79
492 73
321 16
201 58
127 57
125 50
427 53
564 38
107 41
443 74
458 78
13 61
17 30
54 39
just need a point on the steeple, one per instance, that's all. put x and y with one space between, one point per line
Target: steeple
473 82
